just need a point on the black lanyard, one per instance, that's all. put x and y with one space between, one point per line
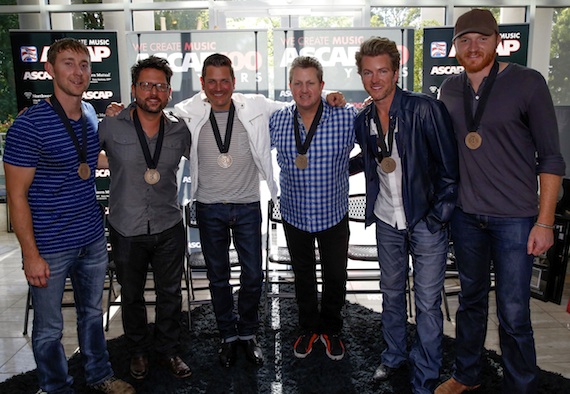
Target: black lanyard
471 121
80 148
302 148
151 163
385 151
225 146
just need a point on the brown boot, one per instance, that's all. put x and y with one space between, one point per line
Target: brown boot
452 386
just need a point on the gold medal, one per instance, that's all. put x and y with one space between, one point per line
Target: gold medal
302 161
388 165
84 171
151 176
225 160
473 140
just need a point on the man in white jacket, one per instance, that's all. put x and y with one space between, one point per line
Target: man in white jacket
230 151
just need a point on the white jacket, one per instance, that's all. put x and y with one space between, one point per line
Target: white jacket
254 111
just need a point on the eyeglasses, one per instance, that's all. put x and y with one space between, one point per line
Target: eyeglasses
147 86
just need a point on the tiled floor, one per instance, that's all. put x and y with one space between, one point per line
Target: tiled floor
551 322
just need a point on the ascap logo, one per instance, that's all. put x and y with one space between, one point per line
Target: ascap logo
103 173
446 70
96 53
505 48
36 76
97 95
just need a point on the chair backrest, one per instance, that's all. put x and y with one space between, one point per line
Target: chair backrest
274 212
357 207
190 214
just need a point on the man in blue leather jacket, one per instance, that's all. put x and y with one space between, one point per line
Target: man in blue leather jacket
409 157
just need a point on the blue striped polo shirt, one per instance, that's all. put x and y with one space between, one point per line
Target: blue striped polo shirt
65 212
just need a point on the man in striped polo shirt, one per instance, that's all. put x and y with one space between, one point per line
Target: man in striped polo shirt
50 159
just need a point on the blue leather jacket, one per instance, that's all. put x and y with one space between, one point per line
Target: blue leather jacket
428 150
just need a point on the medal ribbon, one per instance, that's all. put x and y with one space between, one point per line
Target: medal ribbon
302 148
385 151
80 148
225 146
471 121
151 162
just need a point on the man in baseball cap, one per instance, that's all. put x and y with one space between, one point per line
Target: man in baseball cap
506 132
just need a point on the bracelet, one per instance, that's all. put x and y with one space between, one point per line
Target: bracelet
544 225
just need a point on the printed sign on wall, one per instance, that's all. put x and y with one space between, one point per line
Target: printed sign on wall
33 83
186 51
335 49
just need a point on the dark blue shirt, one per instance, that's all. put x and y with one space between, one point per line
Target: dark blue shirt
520 141
65 212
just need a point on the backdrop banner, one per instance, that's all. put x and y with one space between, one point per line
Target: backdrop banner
335 49
439 53
33 83
186 51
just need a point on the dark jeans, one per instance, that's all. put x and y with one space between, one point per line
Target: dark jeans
165 254
479 240
218 223
429 254
333 249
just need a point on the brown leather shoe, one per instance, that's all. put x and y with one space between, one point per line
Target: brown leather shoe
139 366
452 386
177 366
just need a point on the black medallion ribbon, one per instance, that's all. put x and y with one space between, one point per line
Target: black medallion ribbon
223 147
80 148
471 121
385 150
302 148
151 162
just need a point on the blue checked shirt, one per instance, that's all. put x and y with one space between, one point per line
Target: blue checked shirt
316 198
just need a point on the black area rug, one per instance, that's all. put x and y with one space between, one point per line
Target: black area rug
282 372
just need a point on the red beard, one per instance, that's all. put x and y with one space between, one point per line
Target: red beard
477 64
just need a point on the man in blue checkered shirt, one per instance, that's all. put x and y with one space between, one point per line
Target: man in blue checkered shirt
313 142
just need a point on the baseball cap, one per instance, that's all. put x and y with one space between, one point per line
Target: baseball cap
476 21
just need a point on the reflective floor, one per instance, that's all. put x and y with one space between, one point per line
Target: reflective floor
551 322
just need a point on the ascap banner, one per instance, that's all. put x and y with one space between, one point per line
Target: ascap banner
186 51
33 83
335 49
439 53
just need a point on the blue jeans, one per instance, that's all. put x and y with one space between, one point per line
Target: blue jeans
429 254
218 223
86 266
164 252
478 241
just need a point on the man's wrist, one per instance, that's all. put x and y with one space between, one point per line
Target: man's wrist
544 225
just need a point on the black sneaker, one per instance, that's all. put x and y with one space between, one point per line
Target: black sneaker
334 346
304 344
